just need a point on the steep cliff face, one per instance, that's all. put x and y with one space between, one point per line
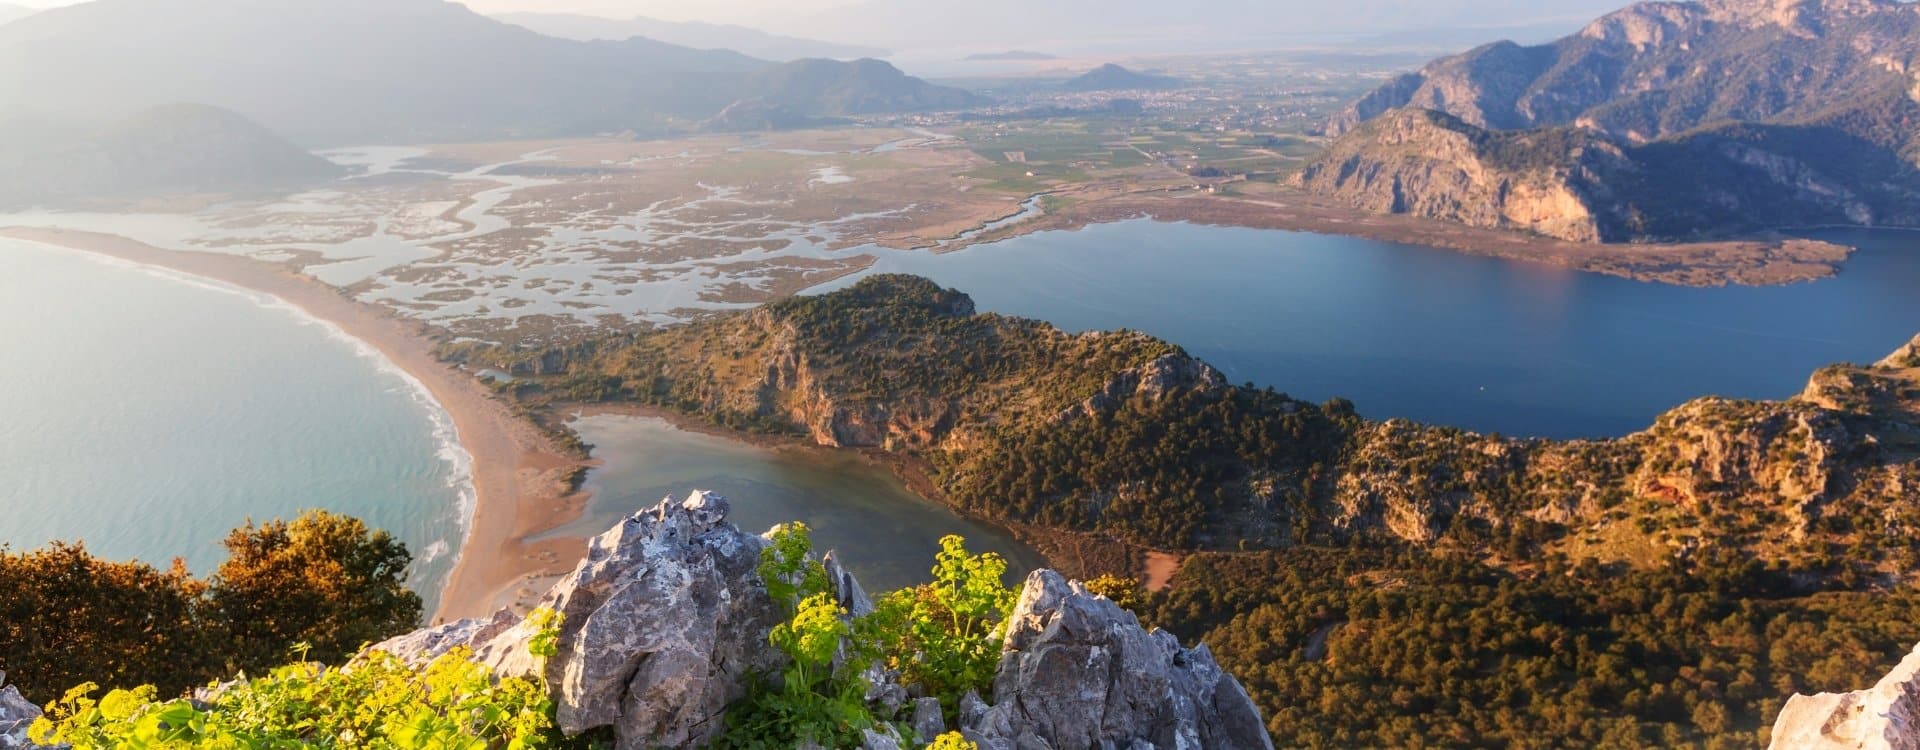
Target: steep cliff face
1429 164
1884 717
667 623
1713 118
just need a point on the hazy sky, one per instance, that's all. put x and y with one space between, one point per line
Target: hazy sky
731 11
758 12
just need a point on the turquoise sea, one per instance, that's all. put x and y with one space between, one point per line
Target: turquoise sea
147 413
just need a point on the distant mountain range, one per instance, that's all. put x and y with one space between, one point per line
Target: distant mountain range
337 72
1111 77
1660 121
752 42
177 149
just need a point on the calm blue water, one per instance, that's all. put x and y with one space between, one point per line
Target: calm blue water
1495 346
147 415
887 535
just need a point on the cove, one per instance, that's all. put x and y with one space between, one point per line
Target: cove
1440 337
885 533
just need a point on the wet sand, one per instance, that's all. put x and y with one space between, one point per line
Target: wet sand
522 479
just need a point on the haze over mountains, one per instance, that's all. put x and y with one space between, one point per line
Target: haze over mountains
752 42
172 150
339 72
1111 77
1663 120
11 12
1147 25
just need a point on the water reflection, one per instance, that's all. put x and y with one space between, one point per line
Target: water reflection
886 534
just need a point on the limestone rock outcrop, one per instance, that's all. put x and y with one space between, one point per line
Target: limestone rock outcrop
666 623
1079 671
16 714
1885 717
1906 357
1430 164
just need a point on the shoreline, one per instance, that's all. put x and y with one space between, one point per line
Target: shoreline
1773 260
521 479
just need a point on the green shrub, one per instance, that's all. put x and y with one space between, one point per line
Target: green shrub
942 637
377 702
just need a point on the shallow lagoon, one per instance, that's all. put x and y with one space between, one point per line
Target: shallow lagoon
887 534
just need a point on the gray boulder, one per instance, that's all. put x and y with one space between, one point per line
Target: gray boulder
16 715
666 620
1080 672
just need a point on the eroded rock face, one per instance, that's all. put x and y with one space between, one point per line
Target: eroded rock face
16 714
1906 357
665 622
1080 672
1429 164
1886 717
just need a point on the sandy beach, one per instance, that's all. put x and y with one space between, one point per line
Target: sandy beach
521 478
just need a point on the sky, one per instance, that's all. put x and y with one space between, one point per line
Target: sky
719 11
758 12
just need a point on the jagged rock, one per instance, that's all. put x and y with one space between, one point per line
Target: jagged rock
927 719
1079 671
1887 717
1907 356
16 715
880 740
423 646
851 595
665 621
1152 382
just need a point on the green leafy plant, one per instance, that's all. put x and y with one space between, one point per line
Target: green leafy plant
942 637
945 636
378 702
817 698
545 642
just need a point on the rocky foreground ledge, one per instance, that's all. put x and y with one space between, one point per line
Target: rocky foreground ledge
667 620
1885 717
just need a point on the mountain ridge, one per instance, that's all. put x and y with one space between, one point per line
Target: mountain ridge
170 150
424 70
1681 121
